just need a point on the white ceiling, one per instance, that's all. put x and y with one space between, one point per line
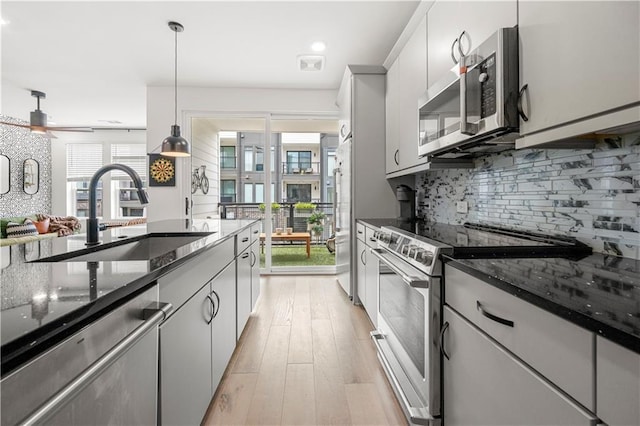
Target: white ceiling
94 60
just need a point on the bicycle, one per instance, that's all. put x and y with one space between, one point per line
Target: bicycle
199 180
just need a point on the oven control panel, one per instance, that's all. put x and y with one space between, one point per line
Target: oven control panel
420 252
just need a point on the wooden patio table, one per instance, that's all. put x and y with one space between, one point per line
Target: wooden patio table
294 236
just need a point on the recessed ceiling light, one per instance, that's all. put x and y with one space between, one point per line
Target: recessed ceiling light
318 46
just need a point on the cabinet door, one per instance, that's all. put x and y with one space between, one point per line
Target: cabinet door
243 283
578 59
391 100
478 19
484 384
185 362
371 283
618 379
223 326
255 274
413 84
361 293
345 105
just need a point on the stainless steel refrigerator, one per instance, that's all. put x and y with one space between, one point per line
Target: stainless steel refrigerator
361 187
343 214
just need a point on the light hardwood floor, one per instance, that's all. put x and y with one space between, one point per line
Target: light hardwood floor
305 358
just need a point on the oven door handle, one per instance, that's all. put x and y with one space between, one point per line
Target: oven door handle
415 282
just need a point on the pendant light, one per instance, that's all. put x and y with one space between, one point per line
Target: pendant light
175 145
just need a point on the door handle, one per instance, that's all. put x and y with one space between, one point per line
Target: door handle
493 317
213 309
253 259
217 310
521 112
441 340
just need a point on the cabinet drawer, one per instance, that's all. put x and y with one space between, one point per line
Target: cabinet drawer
243 240
255 233
559 350
360 231
179 285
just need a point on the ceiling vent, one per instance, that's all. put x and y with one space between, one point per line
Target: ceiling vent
310 62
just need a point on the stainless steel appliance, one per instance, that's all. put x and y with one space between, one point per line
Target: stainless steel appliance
409 320
107 373
342 214
474 108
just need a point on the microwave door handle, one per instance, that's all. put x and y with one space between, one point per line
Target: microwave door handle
466 128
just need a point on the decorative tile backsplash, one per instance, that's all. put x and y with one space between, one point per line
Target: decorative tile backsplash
590 194
20 144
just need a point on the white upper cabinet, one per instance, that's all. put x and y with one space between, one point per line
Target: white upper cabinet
406 82
392 135
578 59
448 19
413 83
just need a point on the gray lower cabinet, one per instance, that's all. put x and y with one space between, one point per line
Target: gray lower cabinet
486 384
196 344
618 384
255 273
223 330
185 362
243 262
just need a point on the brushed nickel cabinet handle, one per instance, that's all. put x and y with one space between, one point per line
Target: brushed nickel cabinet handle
493 317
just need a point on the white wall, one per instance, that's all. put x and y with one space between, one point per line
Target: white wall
169 202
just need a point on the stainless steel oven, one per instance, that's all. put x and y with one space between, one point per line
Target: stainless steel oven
409 319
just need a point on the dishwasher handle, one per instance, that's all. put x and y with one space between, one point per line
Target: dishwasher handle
153 316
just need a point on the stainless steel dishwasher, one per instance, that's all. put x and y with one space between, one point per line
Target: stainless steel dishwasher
107 373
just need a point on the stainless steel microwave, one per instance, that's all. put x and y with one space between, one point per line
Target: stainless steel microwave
474 108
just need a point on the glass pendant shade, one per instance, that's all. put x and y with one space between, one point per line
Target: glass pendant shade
175 145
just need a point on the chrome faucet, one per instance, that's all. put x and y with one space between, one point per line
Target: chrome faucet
92 222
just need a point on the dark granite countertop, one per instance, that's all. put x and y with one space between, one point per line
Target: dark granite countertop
44 302
599 292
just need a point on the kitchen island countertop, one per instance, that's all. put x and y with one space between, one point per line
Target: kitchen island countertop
42 303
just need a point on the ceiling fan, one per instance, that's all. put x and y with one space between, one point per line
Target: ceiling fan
38 122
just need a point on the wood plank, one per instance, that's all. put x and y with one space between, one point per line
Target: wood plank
318 301
231 403
364 404
299 406
300 346
283 309
266 404
331 402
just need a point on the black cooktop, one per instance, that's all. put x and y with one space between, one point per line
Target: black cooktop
477 241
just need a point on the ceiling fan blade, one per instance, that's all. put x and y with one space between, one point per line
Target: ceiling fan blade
27 126
69 129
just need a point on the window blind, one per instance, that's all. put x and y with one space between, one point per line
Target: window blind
83 160
132 155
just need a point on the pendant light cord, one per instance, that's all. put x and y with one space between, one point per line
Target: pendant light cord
175 81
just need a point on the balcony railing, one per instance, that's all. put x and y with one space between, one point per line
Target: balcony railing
287 216
300 168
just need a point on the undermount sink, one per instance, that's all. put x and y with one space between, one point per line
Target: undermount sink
147 247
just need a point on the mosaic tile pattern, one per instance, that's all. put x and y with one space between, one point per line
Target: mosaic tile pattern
591 194
19 144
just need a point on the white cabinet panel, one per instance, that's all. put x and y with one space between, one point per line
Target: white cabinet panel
223 324
371 281
392 97
560 350
413 84
618 384
361 277
578 59
255 274
185 362
243 262
485 385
